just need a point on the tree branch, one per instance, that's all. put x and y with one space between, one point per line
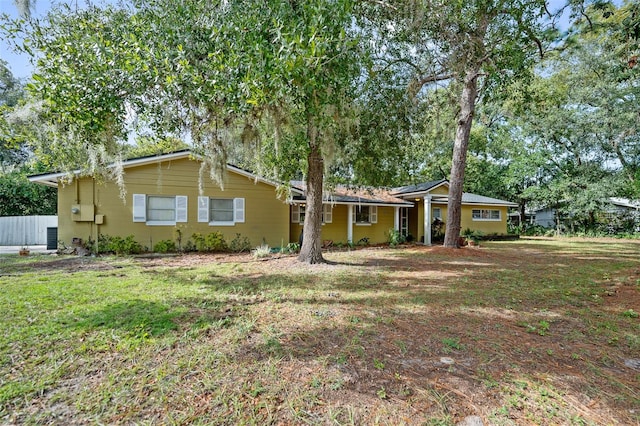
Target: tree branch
433 78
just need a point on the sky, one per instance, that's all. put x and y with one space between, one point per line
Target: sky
20 64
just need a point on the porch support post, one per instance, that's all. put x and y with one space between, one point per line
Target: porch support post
427 220
396 218
349 223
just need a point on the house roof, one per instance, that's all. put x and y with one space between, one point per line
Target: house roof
51 179
469 198
346 195
339 195
422 189
419 188
625 202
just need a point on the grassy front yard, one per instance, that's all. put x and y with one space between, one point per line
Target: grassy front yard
527 332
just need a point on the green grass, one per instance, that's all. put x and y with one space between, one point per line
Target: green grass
538 331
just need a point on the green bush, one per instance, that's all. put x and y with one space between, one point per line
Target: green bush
164 246
395 238
240 244
190 247
211 242
198 242
471 234
290 248
215 242
118 245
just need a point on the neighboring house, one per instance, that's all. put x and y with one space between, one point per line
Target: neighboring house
545 217
613 207
623 205
163 195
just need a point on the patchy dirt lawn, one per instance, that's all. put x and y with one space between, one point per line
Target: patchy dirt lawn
529 332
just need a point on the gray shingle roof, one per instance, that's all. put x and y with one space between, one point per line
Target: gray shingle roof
420 187
468 198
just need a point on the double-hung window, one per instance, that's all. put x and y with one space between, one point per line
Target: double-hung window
159 210
365 215
486 214
221 211
437 213
298 213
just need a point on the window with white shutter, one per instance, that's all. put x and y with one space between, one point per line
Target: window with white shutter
203 209
181 209
139 208
238 210
365 215
327 213
221 211
295 213
298 213
160 209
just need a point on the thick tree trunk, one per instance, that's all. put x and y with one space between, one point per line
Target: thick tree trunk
454 206
523 215
311 250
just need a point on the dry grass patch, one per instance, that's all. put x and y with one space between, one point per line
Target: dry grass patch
531 332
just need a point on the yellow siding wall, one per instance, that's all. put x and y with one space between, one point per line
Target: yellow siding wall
336 231
441 190
485 226
376 233
419 226
266 217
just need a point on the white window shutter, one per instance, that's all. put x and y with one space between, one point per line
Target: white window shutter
295 213
181 208
139 208
354 213
328 213
238 210
373 214
203 209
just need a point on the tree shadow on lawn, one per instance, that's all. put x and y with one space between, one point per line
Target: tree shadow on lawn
136 318
481 362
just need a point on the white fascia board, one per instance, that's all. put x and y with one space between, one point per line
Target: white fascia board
344 203
507 204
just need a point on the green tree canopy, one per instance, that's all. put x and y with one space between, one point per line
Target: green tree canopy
474 48
274 72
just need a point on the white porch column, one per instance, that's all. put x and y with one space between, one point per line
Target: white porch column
349 223
427 220
396 218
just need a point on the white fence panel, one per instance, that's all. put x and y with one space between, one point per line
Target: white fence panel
25 230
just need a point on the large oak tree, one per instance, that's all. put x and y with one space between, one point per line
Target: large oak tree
220 73
472 47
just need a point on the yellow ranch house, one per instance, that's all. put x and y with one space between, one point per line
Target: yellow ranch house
163 195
